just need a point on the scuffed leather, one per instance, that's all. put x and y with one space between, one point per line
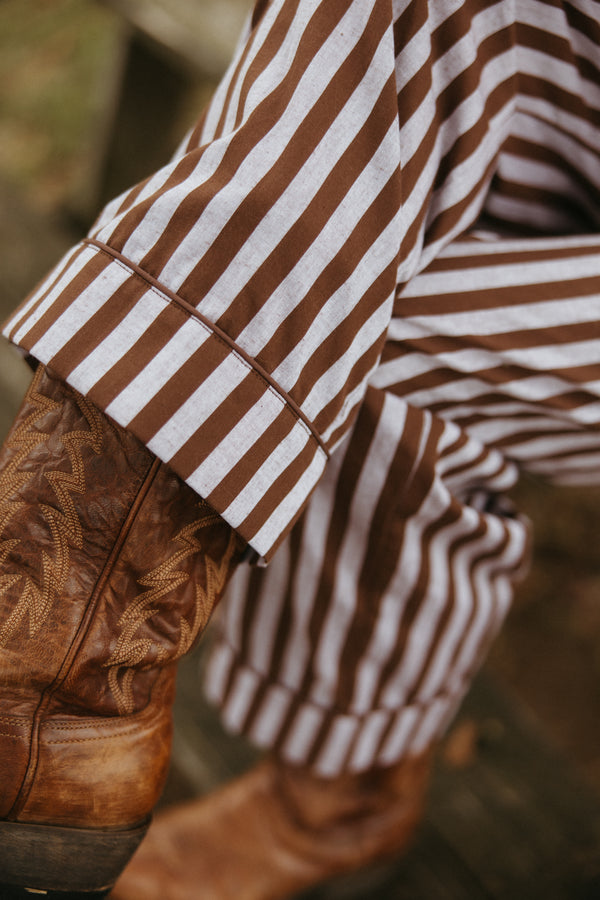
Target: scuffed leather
102 772
87 514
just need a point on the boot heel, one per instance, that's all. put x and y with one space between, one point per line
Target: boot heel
11 893
63 862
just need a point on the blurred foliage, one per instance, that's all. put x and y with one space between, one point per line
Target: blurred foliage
57 64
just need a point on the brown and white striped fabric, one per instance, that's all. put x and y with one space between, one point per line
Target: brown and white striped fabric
231 309
355 646
370 277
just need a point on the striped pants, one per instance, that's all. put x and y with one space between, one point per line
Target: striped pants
355 646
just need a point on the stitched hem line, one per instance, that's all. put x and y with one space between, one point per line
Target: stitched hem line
260 465
218 332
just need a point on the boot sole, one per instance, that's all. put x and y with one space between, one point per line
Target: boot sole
7 892
63 862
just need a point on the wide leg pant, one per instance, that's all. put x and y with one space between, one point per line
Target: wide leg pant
355 646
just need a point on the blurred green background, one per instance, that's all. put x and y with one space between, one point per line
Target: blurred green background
57 69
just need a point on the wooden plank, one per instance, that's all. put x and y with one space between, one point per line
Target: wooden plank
172 55
145 124
30 243
518 814
200 35
508 817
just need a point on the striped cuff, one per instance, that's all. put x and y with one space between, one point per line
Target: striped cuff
182 386
331 742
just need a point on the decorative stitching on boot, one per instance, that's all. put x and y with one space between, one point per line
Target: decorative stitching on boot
69 739
36 601
129 652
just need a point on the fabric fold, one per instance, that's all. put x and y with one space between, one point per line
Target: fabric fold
230 309
248 436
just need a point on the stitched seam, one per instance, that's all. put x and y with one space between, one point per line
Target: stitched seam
95 596
159 582
63 522
100 737
23 722
93 723
191 312
78 638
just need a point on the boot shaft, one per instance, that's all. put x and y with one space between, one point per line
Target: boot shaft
110 567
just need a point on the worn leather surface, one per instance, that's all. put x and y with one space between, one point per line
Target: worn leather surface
109 569
274 831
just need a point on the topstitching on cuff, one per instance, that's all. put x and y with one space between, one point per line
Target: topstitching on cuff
154 364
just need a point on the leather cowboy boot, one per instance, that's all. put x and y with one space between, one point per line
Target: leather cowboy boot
274 831
109 569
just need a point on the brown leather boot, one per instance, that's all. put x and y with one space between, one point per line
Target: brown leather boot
109 569
274 831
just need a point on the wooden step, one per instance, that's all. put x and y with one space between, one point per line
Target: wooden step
30 244
508 817
197 34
